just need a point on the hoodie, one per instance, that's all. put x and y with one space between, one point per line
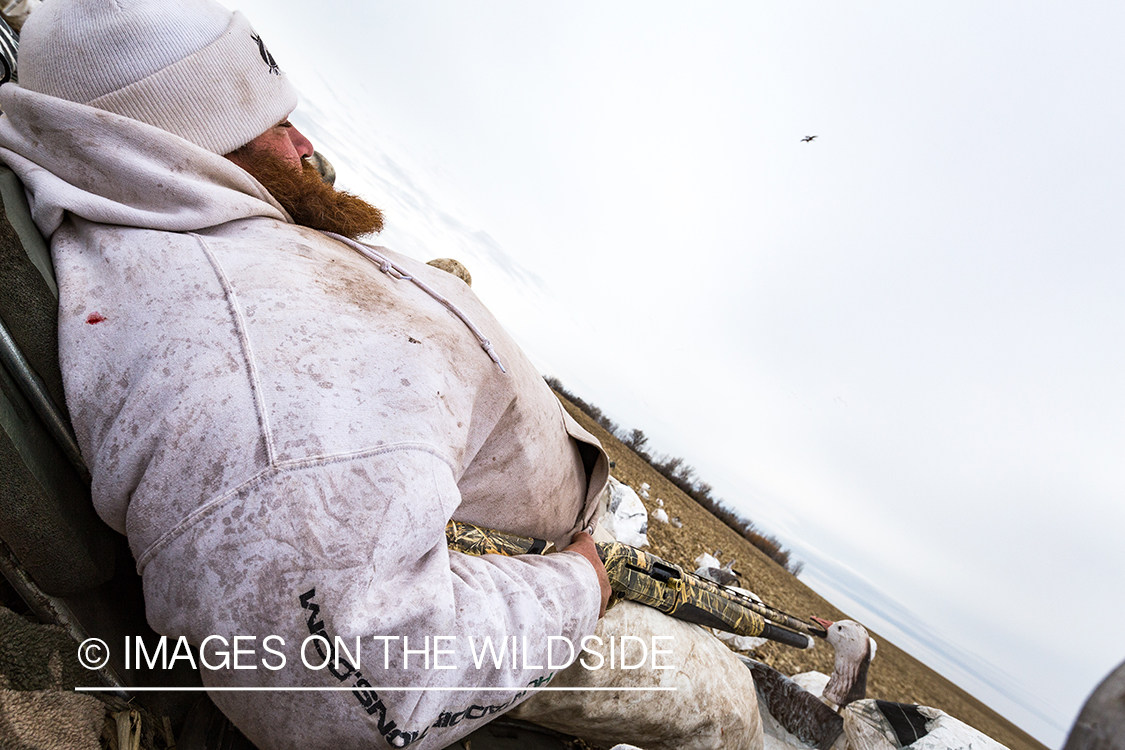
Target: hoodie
282 428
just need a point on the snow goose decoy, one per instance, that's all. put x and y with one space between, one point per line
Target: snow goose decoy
793 712
854 651
882 725
707 560
708 566
792 717
625 517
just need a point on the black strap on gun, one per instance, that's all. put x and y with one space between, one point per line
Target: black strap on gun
647 579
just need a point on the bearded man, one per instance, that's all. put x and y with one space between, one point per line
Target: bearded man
282 419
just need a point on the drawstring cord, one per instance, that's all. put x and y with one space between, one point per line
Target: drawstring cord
395 272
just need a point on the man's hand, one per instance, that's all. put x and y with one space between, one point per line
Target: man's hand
583 544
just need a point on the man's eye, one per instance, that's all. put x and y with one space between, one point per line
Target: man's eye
285 124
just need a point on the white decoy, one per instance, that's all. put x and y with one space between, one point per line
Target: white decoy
794 719
625 517
854 651
882 725
793 711
660 515
707 560
707 566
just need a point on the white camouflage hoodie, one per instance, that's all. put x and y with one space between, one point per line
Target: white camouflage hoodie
282 431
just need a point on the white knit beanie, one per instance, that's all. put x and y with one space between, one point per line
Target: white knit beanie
190 67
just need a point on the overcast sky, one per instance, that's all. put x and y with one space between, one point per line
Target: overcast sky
897 347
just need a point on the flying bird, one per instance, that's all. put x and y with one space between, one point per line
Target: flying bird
808 139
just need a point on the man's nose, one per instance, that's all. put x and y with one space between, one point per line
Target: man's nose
302 144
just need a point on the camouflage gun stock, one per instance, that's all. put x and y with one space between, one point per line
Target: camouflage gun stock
647 579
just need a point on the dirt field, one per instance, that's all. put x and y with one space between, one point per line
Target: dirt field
894 675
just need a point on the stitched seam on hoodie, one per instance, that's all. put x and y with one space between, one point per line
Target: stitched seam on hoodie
247 350
275 470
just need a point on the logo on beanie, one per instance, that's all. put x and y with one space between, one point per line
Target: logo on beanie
265 53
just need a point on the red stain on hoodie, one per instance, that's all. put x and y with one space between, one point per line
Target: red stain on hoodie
95 318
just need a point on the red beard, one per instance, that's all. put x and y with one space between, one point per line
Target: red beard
309 200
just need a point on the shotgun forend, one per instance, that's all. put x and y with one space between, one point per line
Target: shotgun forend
647 579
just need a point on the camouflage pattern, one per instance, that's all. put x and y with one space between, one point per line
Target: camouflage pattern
475 540
647 579
771 614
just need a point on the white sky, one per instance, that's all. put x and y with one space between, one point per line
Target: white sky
898 347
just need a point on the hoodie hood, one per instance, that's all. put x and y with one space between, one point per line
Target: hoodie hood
111 169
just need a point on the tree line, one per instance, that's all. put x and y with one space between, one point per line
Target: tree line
677 471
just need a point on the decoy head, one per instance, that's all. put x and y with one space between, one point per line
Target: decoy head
854 651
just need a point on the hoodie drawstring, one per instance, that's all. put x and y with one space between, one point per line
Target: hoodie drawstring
395 272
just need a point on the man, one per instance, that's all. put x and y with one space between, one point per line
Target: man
281 419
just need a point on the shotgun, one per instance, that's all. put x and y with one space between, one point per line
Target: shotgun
647 579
